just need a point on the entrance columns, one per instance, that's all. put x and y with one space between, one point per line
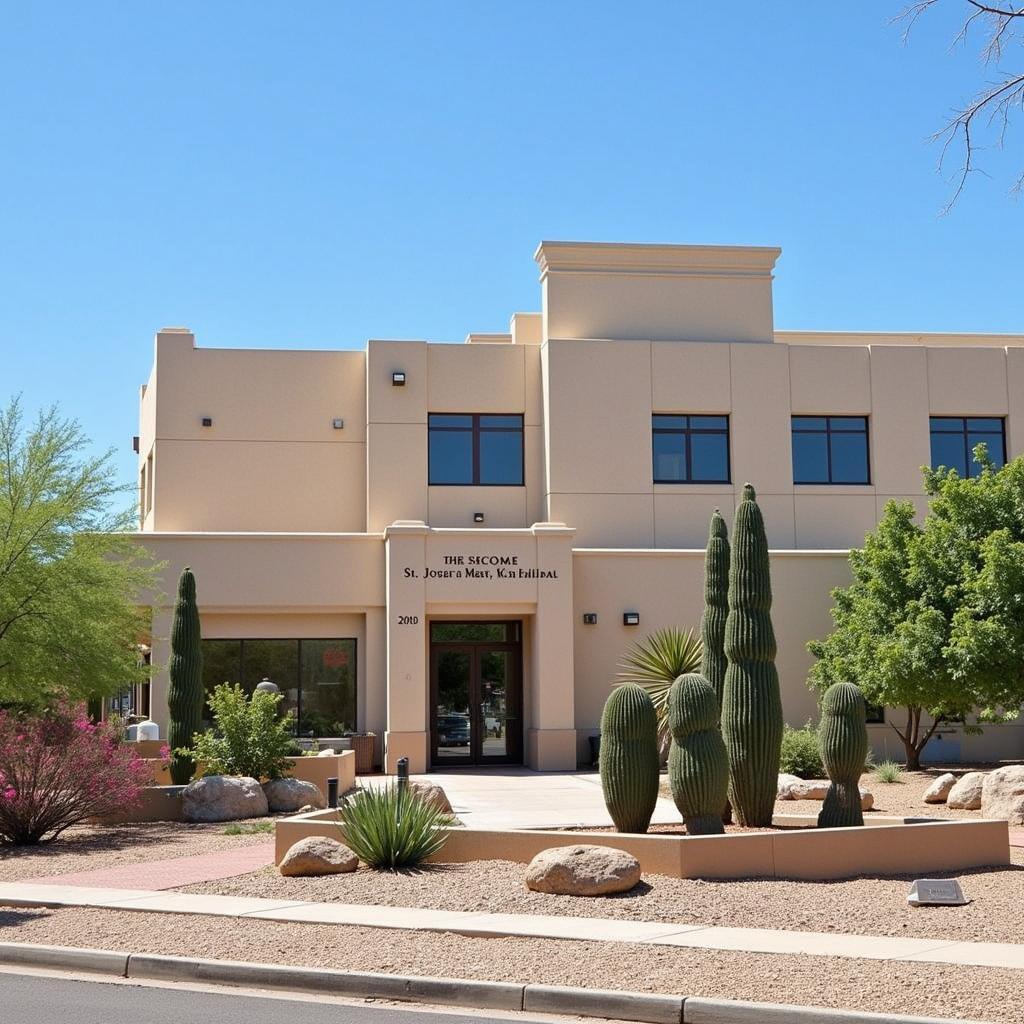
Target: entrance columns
551 739
407 734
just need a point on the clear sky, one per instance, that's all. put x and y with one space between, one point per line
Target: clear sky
315 174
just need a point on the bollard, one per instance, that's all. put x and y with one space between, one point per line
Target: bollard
332 792
403 774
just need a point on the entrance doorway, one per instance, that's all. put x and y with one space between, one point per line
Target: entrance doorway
476 695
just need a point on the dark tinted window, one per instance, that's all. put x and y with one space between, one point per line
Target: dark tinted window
955 437
690 449
830 450
474 449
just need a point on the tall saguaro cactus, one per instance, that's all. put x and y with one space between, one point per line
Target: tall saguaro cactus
629 759
716 605
843 735
185 694
751 703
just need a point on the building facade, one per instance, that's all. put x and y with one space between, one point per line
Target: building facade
452 545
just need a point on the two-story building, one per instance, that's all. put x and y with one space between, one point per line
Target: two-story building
452 545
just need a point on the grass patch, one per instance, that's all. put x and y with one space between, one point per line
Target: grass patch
255 828
889 771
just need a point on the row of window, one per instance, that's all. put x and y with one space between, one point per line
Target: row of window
487 450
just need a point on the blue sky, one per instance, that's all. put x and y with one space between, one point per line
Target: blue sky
311 175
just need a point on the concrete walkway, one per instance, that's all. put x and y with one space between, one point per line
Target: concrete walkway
520 798
748 940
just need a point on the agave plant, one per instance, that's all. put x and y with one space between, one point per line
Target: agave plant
656 662
391 827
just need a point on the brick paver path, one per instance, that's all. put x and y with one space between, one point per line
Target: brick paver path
170 873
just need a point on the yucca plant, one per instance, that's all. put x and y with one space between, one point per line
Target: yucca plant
391 828
655 663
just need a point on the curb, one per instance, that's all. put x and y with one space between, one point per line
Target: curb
642 1007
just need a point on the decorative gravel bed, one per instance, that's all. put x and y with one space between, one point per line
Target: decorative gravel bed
88 847
884 987
866 906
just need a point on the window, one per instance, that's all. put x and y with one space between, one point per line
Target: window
954 438
476 450
316 677
830 450
690 449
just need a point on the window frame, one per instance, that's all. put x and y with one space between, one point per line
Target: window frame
475 429
828 432
964 433
687 432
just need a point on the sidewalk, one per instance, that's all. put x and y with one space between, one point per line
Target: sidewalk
749 940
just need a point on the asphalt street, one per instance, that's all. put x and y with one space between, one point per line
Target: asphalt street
39 999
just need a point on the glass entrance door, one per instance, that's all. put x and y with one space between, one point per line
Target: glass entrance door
476 694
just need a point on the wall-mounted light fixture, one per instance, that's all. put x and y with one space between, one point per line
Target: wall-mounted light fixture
207 421
478 517
398 379
590 618
631 618
135 444
338 423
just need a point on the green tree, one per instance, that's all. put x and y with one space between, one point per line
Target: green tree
934 619
71 578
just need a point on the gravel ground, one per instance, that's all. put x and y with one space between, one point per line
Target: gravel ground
89 847
865 906
918 988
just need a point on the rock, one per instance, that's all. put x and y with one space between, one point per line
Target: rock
223 798
966 794
867 799
937 792
306 809
1002 794
582 871
289 795
785 781
329 752
807 789
317 855
432 794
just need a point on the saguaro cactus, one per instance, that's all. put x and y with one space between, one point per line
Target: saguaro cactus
843 735
751 704
185 693
629 760
698 765
716 606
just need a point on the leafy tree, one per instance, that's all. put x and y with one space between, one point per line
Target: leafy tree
70 577
934 618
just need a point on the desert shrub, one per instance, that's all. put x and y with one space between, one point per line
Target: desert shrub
801 755
57 769
247 738
391 828
889 771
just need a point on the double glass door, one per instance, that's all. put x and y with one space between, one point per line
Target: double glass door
475 694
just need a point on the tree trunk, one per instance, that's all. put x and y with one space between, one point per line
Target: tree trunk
913 739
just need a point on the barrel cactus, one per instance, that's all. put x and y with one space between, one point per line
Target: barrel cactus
698 766
843 735
751 702
629 760
185 693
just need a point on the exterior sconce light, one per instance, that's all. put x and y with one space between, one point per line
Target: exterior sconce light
398 379
478 517
135 444
590 618
631 618
338 423
207 421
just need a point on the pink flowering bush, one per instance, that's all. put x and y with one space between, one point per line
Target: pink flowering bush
58 769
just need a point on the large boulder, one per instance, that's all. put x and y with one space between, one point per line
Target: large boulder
785 781
432 794
290 795
317 855
1002 794
806 789
966 794
582 871
223 798
938 791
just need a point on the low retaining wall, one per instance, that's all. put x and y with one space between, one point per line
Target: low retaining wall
156 803
894 846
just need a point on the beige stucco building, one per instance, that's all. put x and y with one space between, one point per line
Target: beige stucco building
452 545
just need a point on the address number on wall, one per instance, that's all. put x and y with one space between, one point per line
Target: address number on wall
408 620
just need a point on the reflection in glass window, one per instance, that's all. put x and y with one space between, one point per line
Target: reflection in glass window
690 449
475 449
830 450
954 439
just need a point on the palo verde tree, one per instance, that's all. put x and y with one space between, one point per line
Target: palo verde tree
934 619
71 579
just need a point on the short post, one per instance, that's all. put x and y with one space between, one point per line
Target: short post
332 792
403 786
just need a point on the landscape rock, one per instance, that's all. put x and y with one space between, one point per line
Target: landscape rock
807 789
432 794
1002 794
317 855
867 799
785 781
289 795
937 792
582 871
306 809
223 798
966 794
